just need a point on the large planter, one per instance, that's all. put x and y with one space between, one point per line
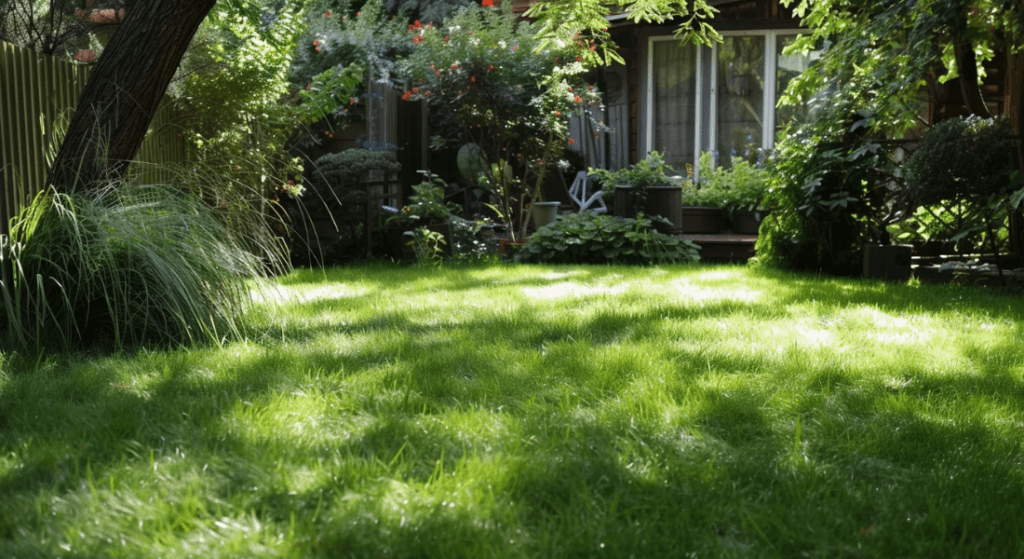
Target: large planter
544 213
662 200
887 262
707 221
747 222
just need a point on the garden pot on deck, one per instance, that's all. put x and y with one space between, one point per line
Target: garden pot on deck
662 200
887 262
701 220
544 213
747 222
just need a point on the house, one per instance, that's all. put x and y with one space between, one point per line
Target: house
683 99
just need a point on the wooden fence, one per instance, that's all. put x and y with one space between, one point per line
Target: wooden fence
38 95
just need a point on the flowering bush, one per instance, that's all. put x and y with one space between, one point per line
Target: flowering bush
492 87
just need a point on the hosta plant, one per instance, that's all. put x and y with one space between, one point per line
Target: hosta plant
589 238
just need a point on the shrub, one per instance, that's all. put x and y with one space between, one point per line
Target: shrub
327 222
966 165
832 192
589 238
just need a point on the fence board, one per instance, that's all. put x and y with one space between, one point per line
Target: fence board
38 95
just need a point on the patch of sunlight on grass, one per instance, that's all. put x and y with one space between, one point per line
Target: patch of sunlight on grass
565 290
733 274
295 421
690 289
327 292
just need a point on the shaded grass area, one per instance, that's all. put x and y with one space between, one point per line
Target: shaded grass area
537 412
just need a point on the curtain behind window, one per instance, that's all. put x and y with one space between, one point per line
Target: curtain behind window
740 88
675 100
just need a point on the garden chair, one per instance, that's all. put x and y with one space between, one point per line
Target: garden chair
578 193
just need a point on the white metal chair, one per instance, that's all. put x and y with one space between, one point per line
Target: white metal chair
578 193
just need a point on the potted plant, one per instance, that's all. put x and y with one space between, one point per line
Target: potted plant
427 210
645 187
738 190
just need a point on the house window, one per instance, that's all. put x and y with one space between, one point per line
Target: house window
674 72
788 67
719 99
739 93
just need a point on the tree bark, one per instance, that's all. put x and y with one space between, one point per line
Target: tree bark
124 91
967 64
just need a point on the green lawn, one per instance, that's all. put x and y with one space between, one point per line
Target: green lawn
501 411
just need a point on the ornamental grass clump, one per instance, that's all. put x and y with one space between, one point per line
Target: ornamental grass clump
590 238
126 265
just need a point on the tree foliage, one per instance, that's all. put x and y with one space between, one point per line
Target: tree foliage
836 186
584 22
53 27
880 56
484 75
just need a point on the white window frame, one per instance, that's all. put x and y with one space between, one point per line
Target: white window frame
698 116
769 100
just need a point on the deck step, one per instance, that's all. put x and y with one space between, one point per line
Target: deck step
724 247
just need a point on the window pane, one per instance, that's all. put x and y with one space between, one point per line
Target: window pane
790 66
675 100
740 92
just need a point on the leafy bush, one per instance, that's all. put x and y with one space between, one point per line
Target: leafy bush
490 82
962 159
833 190
426 205
602 239
130 264
966 165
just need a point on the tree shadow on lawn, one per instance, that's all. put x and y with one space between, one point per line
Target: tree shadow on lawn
578 464
730 480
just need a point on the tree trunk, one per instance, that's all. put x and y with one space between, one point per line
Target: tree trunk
124 91
967 64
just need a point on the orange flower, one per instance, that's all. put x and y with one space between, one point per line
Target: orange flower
571 141
487 3
406 96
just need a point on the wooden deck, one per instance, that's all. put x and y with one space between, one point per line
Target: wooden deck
724 247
